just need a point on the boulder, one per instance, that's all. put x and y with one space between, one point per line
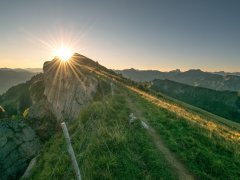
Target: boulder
18 145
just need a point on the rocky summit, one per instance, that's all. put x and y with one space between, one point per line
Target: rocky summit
68 86
61 92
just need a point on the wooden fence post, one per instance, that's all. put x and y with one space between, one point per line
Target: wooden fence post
112 90
71 151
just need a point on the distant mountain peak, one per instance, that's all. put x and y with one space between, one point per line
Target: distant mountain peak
194 70
175 71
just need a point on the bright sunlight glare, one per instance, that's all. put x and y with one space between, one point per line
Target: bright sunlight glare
63 53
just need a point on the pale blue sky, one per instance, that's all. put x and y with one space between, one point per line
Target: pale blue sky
150 34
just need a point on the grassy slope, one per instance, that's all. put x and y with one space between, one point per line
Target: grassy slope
204 151
106 146
222 103
14 98
17 98
206 114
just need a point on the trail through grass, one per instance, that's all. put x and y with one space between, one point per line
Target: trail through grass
226 132
208 152
176 165
106 147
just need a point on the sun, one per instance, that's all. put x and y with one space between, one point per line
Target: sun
64 53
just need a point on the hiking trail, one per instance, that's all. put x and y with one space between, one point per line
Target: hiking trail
176 165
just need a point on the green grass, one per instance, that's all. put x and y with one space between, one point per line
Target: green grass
190 108
222 103
106 147
206 154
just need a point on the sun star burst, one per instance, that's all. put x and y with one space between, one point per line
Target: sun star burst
63 53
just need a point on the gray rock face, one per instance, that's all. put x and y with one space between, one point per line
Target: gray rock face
60 93
42 120
18 145
68 86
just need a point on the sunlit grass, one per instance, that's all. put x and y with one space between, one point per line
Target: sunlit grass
208 151
224 131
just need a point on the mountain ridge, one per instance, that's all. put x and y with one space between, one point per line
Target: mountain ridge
193 77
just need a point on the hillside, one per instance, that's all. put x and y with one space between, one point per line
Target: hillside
17 98
12 77
111 148
223 103
165 140
196 78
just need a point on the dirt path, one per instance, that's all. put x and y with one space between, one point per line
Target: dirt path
177 166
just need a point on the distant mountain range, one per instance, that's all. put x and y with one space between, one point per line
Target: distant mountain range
35 70
12 77
195 77
227 73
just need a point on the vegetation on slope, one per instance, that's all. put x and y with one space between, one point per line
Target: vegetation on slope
207 153
209 145
18 98
223 103
12 77
106 147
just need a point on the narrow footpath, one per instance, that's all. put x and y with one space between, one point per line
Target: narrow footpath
176 165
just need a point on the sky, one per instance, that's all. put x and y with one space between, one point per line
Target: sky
143 34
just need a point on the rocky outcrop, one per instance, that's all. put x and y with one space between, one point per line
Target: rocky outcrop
69 86
18 145
60 93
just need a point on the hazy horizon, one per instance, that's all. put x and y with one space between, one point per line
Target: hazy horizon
161 35
182 70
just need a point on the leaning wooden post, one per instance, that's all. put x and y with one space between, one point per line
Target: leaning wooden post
71 151
112 90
